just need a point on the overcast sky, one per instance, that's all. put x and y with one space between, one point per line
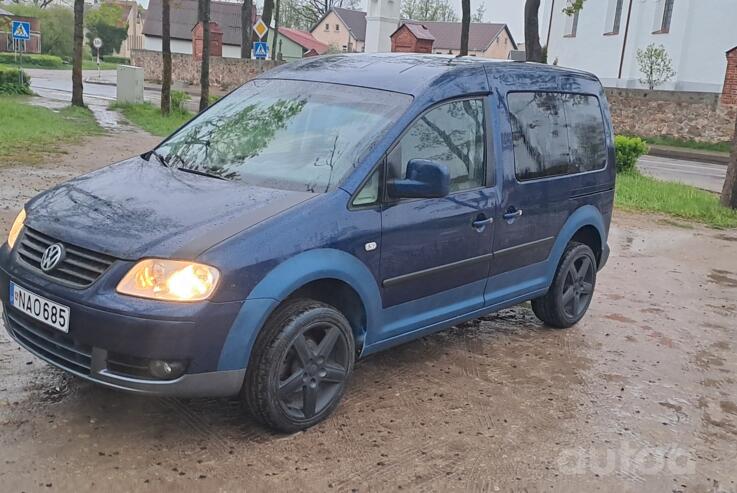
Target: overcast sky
509 12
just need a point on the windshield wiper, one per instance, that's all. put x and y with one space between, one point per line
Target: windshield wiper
202 173
158 156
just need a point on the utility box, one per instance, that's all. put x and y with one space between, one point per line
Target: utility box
130 84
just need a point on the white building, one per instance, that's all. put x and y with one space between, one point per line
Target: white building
605 36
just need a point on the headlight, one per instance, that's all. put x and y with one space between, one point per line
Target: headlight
170 280
16 228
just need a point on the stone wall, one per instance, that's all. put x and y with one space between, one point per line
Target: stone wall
225 73
685 115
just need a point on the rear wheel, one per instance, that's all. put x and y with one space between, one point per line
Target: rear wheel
572 289
300 366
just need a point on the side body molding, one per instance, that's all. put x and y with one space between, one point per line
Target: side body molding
287 277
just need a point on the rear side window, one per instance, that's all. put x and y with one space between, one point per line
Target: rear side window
556 134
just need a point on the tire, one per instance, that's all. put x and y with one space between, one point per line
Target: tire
572 290
300 366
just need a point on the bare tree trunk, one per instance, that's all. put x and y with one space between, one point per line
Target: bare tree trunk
266 12
275 51
246 28
205 71
532 32
166 55
729 192
465 25
77 89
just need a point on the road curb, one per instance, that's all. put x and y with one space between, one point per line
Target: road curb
689 154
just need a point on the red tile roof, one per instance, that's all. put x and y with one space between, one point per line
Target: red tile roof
304 39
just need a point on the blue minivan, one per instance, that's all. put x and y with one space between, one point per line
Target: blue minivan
328 209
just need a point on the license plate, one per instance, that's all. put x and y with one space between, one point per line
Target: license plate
38 307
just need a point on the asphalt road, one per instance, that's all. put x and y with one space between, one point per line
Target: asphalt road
57 85
702 175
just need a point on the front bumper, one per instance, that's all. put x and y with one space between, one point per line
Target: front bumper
210 384
110 334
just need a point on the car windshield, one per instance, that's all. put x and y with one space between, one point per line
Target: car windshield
285 134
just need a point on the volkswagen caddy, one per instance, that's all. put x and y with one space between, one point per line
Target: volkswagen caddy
328 209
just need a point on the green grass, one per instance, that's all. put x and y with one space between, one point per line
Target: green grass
690 144
640 193
149 118
28 132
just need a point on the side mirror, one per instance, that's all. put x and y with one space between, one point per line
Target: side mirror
425 179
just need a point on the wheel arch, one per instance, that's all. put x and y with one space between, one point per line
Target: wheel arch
585 225
331 276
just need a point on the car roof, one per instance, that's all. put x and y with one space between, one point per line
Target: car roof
409 73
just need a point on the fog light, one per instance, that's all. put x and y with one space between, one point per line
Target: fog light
166 370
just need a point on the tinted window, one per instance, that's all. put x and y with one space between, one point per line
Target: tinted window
585 132
556 134
452 134
285 134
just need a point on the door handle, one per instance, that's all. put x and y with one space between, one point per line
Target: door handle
481 222
512 214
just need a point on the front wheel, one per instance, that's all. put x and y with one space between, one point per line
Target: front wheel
300 366
572 289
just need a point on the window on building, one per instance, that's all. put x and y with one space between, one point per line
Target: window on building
451 134
571 23
337 27
663 17
556 134
614 16
327 27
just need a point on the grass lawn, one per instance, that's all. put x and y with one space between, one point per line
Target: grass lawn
640 193
689 144
149 118
28 132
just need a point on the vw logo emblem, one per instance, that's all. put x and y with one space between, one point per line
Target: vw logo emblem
52 257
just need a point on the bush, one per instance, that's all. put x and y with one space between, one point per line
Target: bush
33 60
116 59
629 150
178 100
10 81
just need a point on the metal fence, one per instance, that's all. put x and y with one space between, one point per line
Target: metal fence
7 44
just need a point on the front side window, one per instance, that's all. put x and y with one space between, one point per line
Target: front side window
556 134
285 134
451 134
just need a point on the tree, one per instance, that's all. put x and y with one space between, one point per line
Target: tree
313 10
267 11
276 49
729 191
246 28
57 24
655 65
204 10
480 13
428 10
166 55
106 22
77 98
532 31
465 25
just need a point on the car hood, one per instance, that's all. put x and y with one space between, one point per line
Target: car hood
138 208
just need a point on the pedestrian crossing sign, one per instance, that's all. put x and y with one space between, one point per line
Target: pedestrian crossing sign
260 50
21 30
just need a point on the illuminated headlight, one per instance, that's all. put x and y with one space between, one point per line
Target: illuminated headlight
16 228
170 280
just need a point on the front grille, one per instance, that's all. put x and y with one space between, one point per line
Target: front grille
50 343
79 268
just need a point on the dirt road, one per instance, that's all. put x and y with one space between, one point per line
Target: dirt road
642 395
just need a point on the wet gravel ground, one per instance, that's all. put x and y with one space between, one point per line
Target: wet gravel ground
640 396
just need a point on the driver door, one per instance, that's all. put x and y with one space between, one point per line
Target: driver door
436 252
